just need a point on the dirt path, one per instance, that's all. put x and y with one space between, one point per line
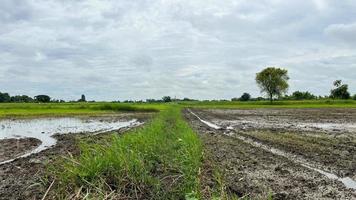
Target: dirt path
256 172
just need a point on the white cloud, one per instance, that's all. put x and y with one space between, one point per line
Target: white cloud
147 49
343 32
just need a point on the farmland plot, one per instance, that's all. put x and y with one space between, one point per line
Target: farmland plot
27 146
286 153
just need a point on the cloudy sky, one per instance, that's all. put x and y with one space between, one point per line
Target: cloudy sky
204 49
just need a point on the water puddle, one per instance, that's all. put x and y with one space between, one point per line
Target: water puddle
328 126
214 126
44 129
294 125
347 181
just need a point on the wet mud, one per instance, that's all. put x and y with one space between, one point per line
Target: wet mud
250 170
25 177
330 121
11 148
43 129
323 145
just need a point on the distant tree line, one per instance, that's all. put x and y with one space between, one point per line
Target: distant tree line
6 98
165 99
272 81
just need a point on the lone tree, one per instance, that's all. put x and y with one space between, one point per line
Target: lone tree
273 81
340 92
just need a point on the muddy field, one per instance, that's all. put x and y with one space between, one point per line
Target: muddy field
286 153
12 148
25 177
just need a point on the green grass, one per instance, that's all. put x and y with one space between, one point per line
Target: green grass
275 104
65 109
159 161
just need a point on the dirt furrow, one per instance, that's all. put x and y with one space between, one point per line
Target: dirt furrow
256 172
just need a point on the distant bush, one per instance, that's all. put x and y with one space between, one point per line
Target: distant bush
82 98
187 99
43 98
4 97
166 99
259 99
245 97
297 95
354 97
154 100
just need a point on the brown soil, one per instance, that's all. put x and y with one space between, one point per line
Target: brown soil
333 149
10 148
254 172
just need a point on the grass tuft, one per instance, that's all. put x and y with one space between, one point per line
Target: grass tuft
158 161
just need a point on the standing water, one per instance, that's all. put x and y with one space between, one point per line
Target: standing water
44 129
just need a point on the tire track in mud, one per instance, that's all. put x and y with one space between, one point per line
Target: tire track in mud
347 181
309 180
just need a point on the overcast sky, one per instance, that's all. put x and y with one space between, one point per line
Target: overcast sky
204 49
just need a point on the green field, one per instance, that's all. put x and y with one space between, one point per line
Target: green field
68 109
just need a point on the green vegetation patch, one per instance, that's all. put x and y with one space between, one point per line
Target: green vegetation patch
66 109
124 107
158 161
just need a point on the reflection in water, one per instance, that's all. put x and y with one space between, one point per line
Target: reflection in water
44 129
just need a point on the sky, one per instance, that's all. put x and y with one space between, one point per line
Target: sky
201 49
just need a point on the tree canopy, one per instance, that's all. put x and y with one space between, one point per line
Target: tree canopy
82 98
245 97
43 98
340 91
273 81
4 97
166 99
